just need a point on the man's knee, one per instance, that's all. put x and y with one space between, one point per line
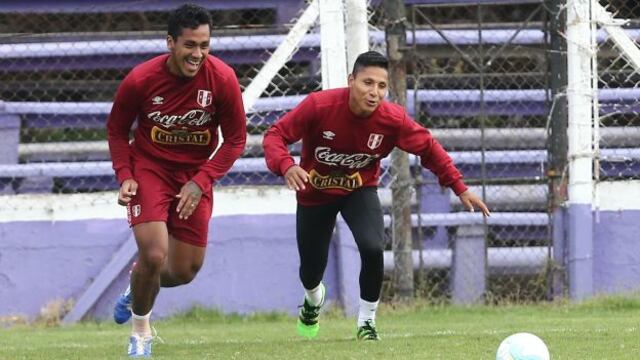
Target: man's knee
153 251
152 260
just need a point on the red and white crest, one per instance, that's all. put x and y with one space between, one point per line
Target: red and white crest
374 141
136 210
204 98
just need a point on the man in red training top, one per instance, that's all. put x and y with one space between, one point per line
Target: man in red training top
345 133
179 100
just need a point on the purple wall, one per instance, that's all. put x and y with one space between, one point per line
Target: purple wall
616 255
41 261
579 245
251 264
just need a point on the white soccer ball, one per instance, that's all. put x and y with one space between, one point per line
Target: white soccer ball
522 346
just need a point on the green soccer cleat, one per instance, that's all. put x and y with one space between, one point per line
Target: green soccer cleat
307 324
367 332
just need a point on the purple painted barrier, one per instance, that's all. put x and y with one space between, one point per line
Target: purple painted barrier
78 50
79 6
435 199
439 101
616 252
500 163
285 9
41 261
252 270
256 269
580 251
10 135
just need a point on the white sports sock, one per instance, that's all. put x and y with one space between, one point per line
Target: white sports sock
315 297
140 324
367 312
128 290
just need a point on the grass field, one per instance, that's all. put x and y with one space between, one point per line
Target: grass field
600 329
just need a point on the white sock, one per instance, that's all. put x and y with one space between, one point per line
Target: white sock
140 324
367 312
128 290
315 297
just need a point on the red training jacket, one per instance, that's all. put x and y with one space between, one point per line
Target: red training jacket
342 152
178 119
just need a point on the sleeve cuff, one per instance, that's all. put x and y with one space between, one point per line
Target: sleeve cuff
203 181
458 187
285 165
123 174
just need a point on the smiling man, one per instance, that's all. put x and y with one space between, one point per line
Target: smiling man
179 100
345 133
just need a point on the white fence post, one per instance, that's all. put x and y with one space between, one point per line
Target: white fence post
332 44
357 30
280 56
580 93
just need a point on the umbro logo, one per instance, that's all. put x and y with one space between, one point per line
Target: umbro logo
329 135
158 100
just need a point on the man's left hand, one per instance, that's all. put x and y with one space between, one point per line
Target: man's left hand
189 196
471 200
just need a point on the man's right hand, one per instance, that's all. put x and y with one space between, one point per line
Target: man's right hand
127 191
296 177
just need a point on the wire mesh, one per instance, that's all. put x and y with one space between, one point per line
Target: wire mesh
60 68
478 78
618 134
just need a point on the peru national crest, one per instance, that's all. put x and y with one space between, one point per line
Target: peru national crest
136 210
374 141
204 98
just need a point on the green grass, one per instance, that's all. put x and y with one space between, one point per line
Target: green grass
599 329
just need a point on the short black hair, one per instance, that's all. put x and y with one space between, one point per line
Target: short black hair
187 16
370 58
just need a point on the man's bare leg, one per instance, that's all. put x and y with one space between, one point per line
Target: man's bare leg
183 263
153 246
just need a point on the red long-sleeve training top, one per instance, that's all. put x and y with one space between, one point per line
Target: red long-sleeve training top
342 152
178 119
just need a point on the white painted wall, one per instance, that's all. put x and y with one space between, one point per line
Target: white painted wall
619 195
227 200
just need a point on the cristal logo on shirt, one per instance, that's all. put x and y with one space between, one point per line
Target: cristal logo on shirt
324 155
336 180
192 118
180 137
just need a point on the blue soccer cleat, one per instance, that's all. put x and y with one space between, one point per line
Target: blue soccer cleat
139 346
122 310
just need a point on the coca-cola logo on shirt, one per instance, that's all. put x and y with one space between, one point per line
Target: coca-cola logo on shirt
191 117
324 155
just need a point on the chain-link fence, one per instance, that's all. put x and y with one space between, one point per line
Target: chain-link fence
489 80
618 133
480 76
61 66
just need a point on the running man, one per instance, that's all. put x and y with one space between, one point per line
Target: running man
345 133
178 99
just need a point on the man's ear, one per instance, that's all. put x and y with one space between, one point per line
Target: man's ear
170 42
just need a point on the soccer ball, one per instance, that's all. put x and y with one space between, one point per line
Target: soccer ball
522 346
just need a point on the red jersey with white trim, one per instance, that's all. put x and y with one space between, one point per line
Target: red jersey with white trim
342 152
178 119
